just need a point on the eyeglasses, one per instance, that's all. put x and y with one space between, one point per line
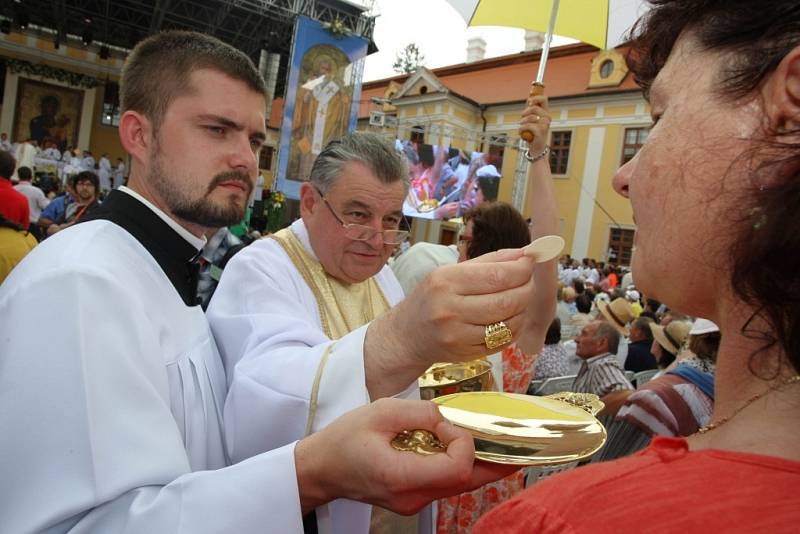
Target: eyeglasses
360 232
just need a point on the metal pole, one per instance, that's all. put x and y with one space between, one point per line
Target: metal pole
546 45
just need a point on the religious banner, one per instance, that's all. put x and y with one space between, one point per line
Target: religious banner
47 113
322 97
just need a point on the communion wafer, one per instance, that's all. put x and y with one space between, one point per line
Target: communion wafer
545 248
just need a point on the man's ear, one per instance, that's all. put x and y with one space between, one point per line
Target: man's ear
782 95
307 199
136 135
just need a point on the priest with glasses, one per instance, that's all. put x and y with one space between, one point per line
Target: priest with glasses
312 323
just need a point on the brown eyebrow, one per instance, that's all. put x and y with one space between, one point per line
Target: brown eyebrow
228 123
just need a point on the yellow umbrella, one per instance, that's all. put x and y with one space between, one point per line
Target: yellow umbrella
586 20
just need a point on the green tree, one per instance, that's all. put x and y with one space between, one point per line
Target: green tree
408 59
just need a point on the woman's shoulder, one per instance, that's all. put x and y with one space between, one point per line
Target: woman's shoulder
650 485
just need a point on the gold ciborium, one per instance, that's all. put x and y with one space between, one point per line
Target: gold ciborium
446 378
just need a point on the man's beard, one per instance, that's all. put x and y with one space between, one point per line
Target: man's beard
202 210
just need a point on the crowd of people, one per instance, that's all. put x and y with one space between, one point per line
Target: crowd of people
275 408
53 168
40 205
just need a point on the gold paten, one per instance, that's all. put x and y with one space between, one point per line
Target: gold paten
510 428
420 441
446 378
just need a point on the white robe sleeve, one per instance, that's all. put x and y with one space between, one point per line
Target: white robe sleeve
266 323
89 441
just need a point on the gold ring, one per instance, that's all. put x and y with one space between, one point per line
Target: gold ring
496 335
536 118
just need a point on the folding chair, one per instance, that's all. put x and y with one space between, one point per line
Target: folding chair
643 377
556 384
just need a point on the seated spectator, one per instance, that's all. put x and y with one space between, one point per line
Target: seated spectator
13 204
583 303
640 342
668 340
678 403
565 309
578 285
552 359
15 243
87 190
600 372
619 314
633 297
56 210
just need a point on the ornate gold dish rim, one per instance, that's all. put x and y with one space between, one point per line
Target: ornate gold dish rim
571 439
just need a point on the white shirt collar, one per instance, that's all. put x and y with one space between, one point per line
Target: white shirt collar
196 242
299 229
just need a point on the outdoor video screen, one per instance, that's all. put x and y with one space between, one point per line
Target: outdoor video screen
446 182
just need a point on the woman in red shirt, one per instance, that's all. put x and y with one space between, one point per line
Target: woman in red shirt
715 192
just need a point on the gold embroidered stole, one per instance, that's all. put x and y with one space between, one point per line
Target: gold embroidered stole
342 307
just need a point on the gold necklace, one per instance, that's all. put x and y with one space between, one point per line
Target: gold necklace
783 383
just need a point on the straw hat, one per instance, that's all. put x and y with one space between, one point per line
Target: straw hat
618 312
672 336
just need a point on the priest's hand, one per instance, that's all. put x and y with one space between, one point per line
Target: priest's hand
445 317
352 458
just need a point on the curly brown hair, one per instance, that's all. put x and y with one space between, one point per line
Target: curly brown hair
752 38
495 226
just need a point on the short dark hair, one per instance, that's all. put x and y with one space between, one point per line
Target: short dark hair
159 67
553 334
495 225
650 314
584 302
642 324
7 164
86 176
24 173
489 186
578 285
